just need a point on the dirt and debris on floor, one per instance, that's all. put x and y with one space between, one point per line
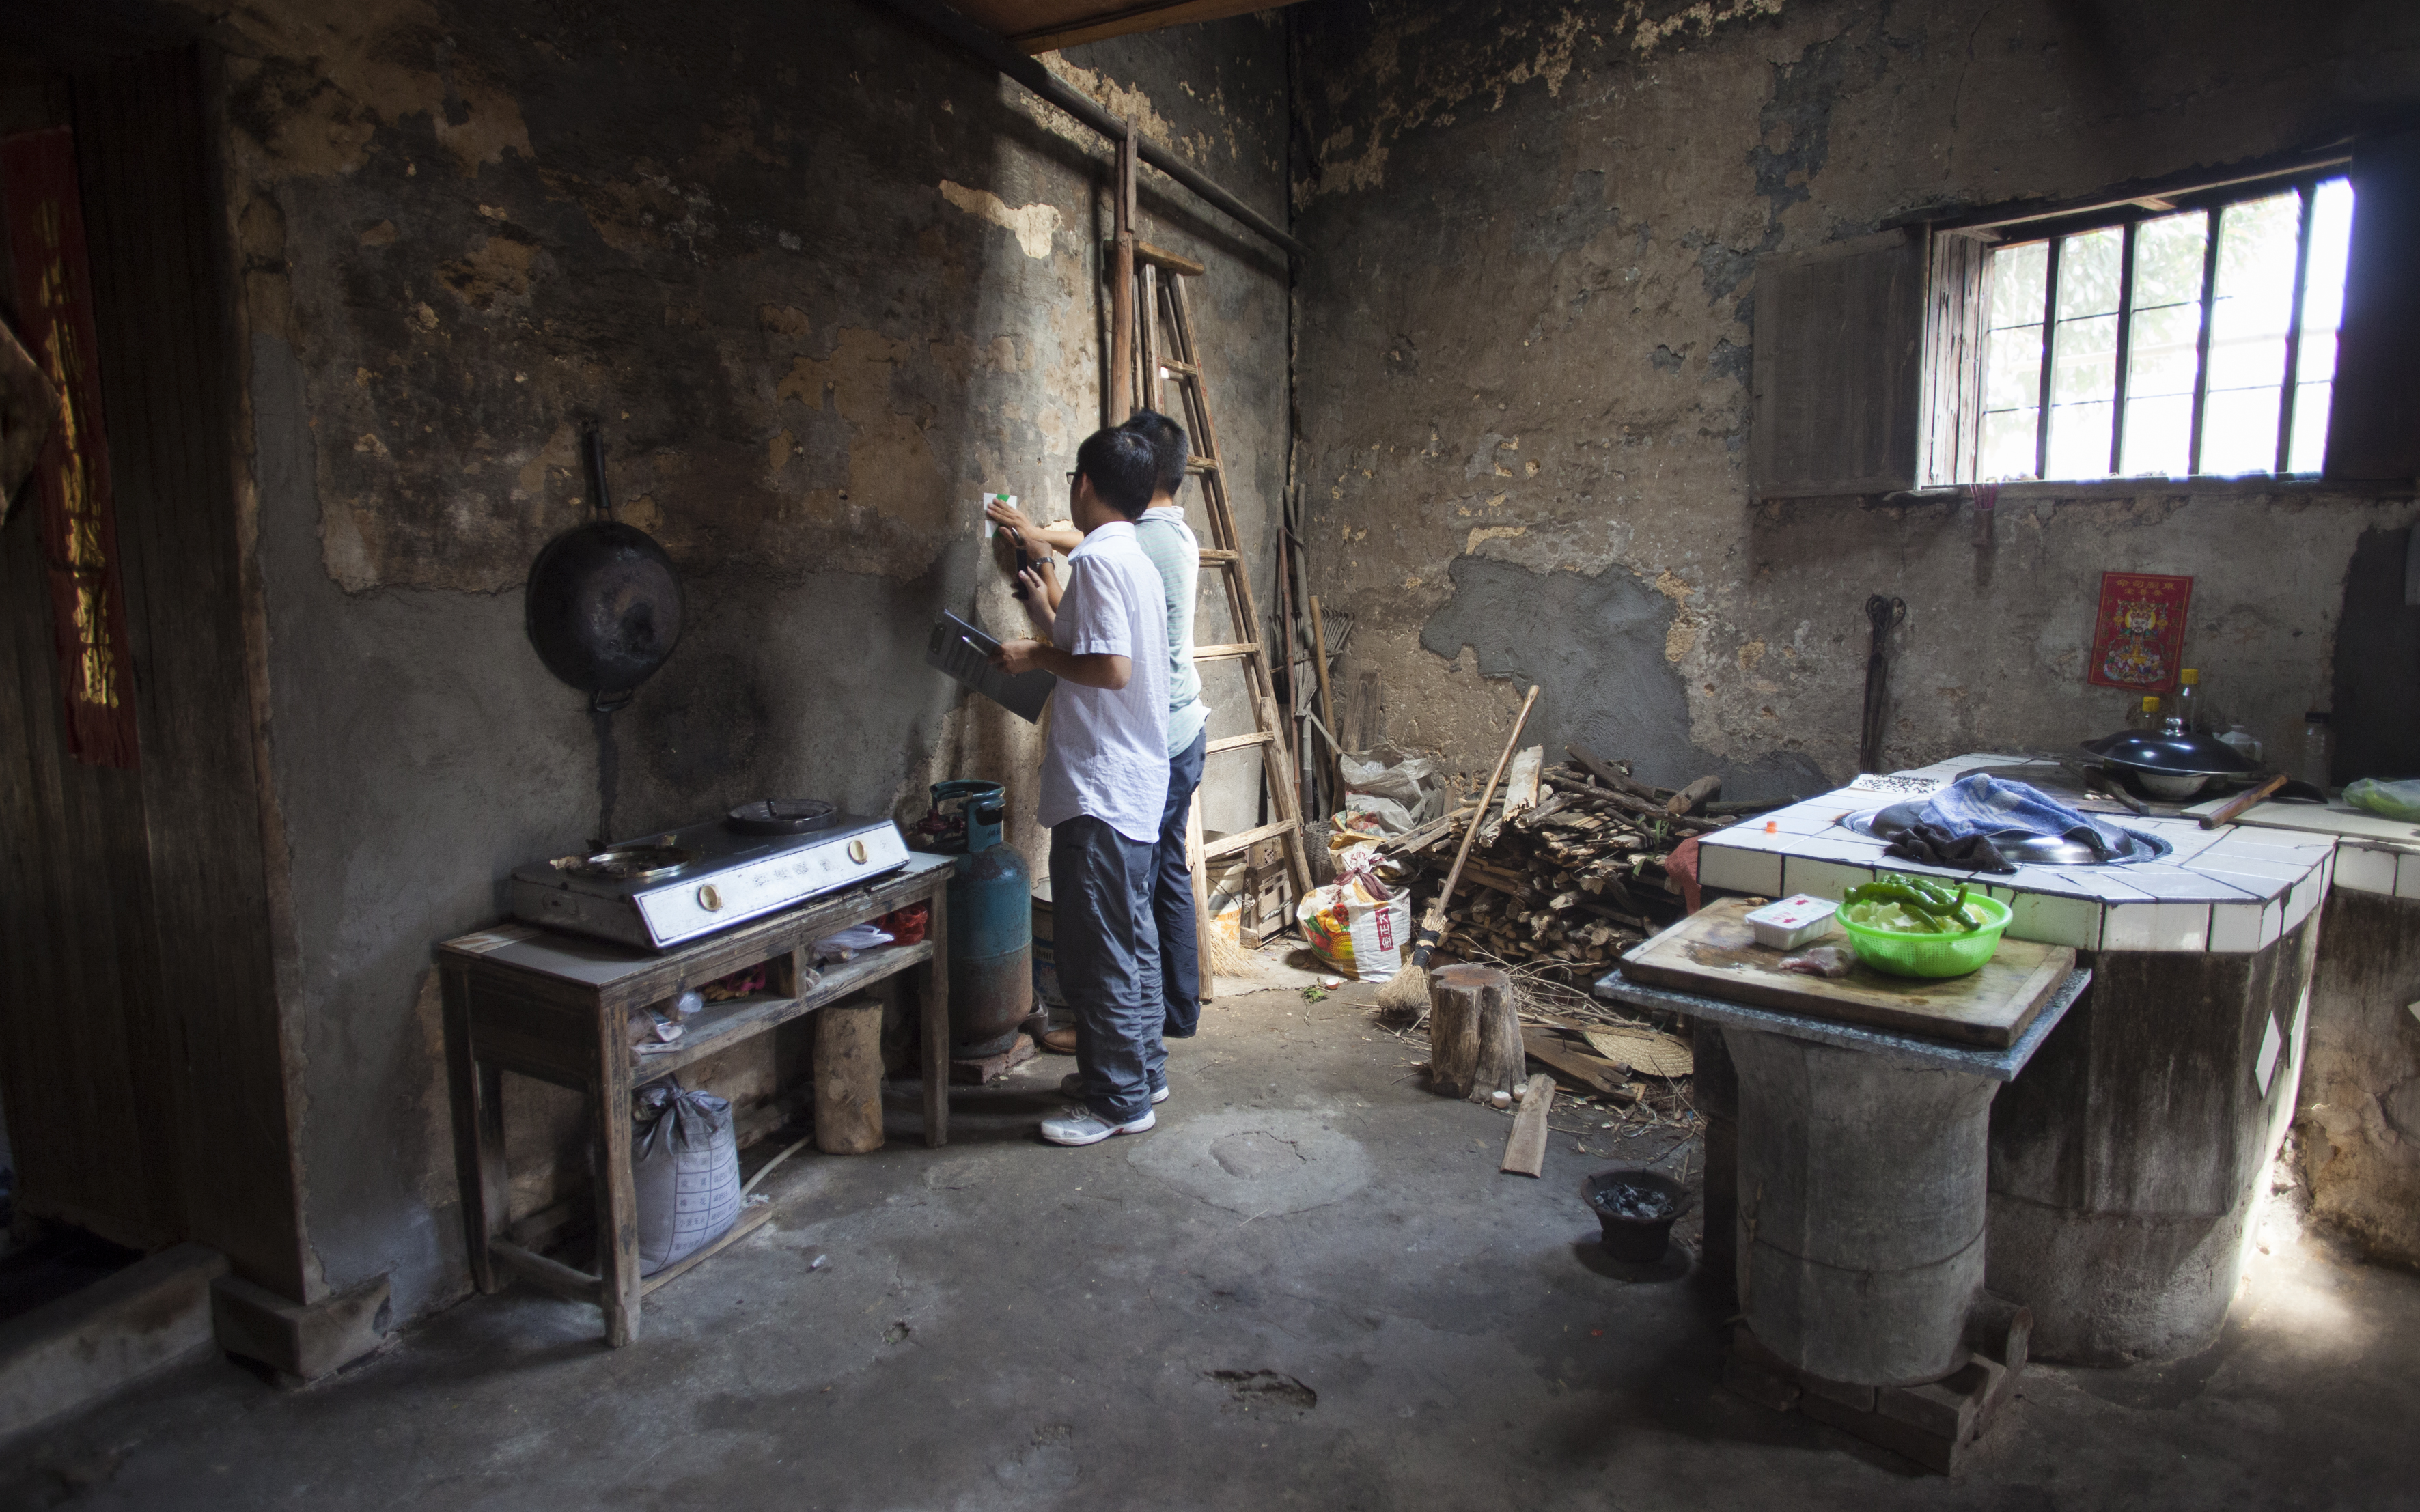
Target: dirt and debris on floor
1309 1286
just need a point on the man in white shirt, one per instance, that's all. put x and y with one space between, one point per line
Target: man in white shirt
1173 550
1104 787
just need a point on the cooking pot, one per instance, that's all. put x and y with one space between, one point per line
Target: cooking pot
604 604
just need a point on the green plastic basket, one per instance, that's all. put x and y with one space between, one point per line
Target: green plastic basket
1930 955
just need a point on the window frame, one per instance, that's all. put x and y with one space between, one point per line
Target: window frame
1960 297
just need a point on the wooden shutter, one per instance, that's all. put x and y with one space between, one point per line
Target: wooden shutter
1838 375
1955 302
2373 414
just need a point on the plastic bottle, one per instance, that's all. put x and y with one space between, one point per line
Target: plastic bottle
2145 714
2188 701
2315 748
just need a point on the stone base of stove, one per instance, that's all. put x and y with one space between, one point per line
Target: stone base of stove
1933 1424
991 1068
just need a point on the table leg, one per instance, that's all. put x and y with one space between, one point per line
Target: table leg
478 1132
933 993
617 1202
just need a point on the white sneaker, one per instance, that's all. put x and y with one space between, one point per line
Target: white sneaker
1083 1126
1072 1085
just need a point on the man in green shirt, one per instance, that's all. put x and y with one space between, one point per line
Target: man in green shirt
1173 549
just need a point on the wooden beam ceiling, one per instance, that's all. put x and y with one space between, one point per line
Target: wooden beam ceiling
1040 25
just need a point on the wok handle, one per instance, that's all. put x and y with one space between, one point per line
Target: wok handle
2225 815
595 442
609 702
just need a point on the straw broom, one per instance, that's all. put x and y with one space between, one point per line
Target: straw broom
1408 990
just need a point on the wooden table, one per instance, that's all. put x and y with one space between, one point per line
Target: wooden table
555 1007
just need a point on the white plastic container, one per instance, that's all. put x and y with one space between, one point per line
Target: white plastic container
1792 921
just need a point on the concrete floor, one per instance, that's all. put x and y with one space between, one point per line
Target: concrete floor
1309 1287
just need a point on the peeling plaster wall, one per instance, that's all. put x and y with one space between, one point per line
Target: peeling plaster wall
1523 359
823 282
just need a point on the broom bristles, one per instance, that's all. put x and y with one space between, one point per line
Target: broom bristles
1406 991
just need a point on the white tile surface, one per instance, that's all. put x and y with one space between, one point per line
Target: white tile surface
2052 920
1734 869
1816 817
2156 927
2236 927
1743 838
2184 842
2406 876
2262 879
2271 846
2304 897
2264 1070
1824 879
2364 869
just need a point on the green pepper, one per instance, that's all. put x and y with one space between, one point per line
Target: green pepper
1902 891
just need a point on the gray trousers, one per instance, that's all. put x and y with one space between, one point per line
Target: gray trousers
1108 949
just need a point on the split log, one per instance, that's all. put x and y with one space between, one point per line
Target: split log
849 1078
1695 793
1521 780
1610 775
1587 1071
1525 1151
1474 1032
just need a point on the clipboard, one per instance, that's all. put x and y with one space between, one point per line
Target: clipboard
965 652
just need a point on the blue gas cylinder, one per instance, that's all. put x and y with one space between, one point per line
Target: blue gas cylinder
991 918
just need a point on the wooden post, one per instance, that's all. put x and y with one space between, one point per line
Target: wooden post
1121 292
849 1077
618 1286
1327 706
1474 1032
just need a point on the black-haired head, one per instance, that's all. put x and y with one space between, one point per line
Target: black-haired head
1121 465
1168 441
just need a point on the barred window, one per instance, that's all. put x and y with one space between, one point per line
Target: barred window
2174 338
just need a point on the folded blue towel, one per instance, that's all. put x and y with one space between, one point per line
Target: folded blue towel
1994 808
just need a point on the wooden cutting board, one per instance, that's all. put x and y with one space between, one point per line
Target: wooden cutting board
1713 953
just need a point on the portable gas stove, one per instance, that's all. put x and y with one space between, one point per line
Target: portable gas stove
664 889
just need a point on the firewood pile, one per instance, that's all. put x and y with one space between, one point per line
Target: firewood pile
1570 870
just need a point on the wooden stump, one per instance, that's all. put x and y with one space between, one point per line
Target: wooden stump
849 1078
1474 1032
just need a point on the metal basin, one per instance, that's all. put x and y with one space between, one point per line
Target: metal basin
2030 850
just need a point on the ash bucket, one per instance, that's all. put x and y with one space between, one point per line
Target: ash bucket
1637 1209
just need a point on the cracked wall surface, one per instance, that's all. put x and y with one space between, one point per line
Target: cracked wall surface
1525 345
822 282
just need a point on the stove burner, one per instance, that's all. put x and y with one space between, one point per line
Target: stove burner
628 863
783 816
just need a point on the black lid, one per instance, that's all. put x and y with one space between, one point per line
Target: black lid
2172 751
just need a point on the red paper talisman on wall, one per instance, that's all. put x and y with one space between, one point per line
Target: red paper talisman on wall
2139 639
45 220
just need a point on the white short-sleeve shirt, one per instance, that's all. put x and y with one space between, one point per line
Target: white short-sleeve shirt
1107 756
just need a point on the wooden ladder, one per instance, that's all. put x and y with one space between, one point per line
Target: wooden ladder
1165 353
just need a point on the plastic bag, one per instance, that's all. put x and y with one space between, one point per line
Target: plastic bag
1389 797
2395 801
1357 924
685 1160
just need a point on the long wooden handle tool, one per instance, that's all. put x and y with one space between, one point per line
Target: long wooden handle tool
1433 927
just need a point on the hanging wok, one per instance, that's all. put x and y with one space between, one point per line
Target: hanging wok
604 604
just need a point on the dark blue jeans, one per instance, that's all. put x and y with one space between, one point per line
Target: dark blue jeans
1108 963
1171 896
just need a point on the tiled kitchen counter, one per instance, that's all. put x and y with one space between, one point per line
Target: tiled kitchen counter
2126 1161
2360 1087
2228 889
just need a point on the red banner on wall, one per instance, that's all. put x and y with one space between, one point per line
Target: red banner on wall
44 217
2139 639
